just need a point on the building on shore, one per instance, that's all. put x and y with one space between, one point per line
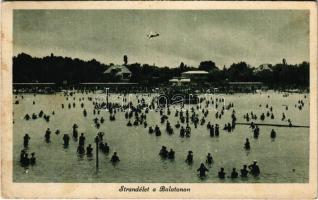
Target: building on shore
178 81
264 67
118 73
190 78
34 87
245 86
196 75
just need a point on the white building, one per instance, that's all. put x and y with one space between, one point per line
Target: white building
263 67
179 81
118 72
196 76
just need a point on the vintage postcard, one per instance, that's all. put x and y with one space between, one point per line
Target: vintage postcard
159 100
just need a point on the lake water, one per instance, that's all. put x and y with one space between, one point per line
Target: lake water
284 160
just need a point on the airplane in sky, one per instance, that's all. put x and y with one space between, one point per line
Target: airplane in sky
152 35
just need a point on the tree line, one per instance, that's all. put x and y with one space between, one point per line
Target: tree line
60 70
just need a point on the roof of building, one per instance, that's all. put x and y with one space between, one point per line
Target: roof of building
121 69
263 67
183 80
196 72
174 80
109 83
245 83
33 83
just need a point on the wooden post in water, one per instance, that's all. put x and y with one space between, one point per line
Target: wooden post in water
96 141
107 89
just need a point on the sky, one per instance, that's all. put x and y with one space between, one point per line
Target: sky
189 36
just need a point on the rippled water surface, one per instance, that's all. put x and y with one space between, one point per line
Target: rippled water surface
138 150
